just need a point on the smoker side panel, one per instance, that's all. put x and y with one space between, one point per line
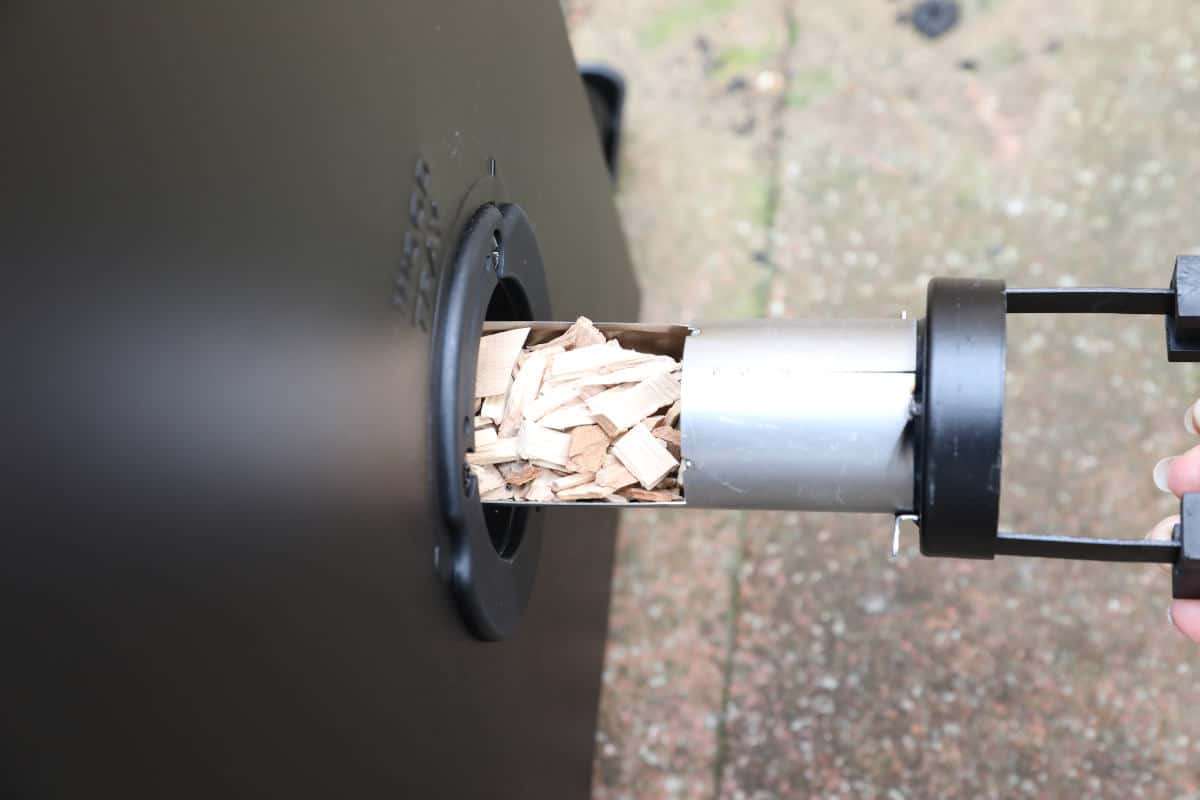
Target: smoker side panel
217 568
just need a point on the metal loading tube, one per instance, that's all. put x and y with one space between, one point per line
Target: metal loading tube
806 415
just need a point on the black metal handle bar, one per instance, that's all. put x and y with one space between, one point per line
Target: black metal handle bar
1091 301
1180 306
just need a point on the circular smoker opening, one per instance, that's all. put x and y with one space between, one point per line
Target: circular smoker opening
506 524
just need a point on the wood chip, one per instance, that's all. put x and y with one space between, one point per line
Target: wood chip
581 334
571 481
650 423
493 405
540 490
524 390
497 452
535 441
641 453
672 414
552 399
648 495
483 422
605 398
588 491
503 493
485 436
569 416
616 413
673 439
520 473
594 358
588 445
660 365
487 477
615 476
497 354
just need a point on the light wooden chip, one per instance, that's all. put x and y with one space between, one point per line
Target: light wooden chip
547 465
493 405
659 365
587 448
551 399
604 399
672 437
520 472
502 493
483 422
535 441
511 468
497 452
615 476
571 481
569 416
581 334
622 411
588 491
478 404
650 423
487 477
648 495
524 390
541 489
641 453
672 414
497 354
616 498
485 436
595 358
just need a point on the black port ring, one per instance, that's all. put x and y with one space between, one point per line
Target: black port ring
494 550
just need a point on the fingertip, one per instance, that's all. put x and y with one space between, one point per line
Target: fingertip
1162 474
1163 530
1186 616
1183 472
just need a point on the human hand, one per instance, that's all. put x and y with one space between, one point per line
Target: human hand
1175 476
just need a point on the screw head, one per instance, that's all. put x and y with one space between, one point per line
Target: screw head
493 259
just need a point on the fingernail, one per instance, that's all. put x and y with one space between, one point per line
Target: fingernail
1189 419
1161 470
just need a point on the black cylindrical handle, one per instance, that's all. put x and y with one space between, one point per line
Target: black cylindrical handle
962 414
